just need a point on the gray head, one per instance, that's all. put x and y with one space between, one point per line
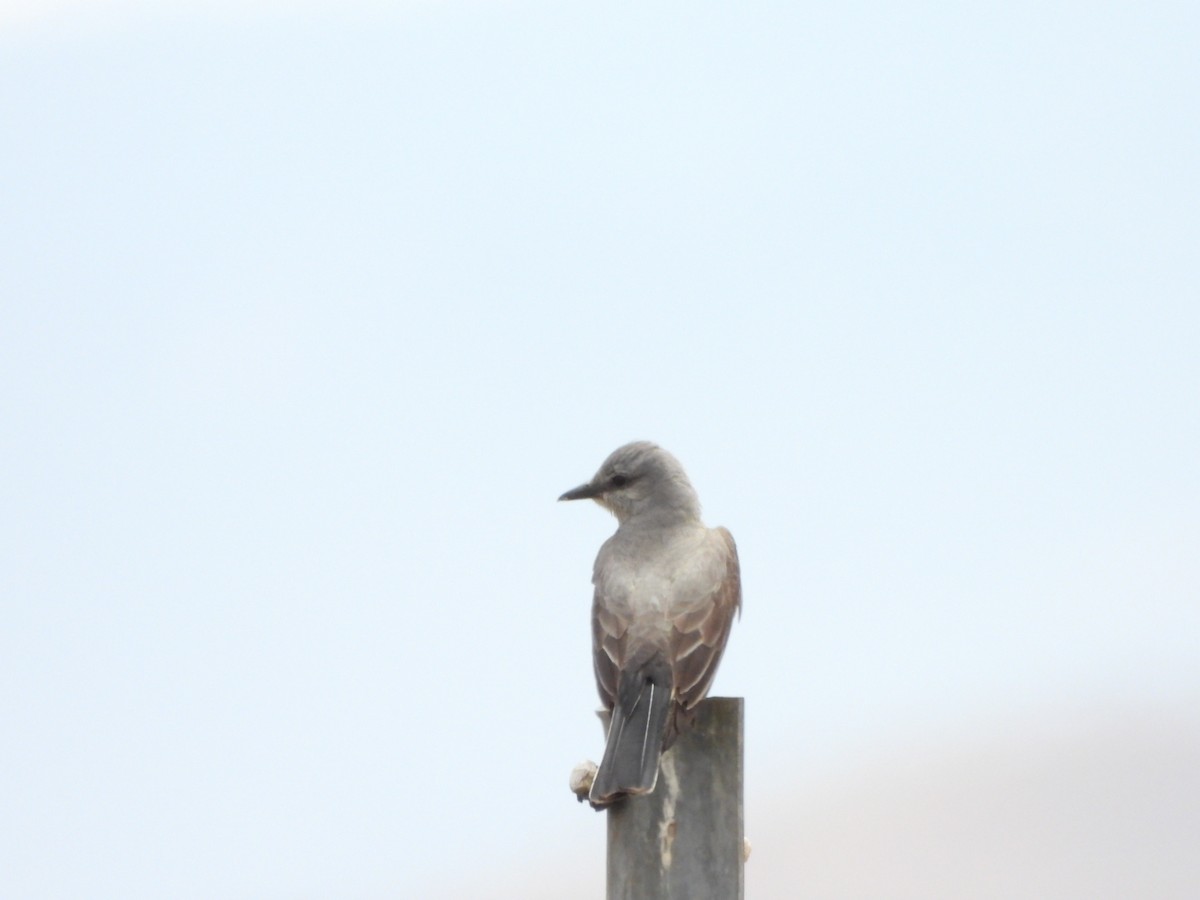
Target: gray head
641 479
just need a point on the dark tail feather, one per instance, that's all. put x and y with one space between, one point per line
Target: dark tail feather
636 732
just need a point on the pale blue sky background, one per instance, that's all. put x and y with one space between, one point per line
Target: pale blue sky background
309 317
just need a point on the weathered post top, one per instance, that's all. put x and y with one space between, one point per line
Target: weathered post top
685 840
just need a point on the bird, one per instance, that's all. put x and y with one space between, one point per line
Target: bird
666 591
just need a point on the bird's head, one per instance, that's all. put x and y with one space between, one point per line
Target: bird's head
640 479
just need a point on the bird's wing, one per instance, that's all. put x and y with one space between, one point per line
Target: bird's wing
608 647
699 634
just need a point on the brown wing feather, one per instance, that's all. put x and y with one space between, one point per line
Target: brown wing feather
699 637
608 645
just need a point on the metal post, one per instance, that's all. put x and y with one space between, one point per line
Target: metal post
685 841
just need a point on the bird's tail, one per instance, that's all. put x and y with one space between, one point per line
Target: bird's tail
636 732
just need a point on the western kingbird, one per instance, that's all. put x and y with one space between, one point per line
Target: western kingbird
666 590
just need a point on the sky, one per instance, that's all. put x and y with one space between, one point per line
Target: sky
310 314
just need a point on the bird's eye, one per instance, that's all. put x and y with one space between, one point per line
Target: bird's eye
619 481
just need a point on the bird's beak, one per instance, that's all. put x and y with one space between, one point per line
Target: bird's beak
583 492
